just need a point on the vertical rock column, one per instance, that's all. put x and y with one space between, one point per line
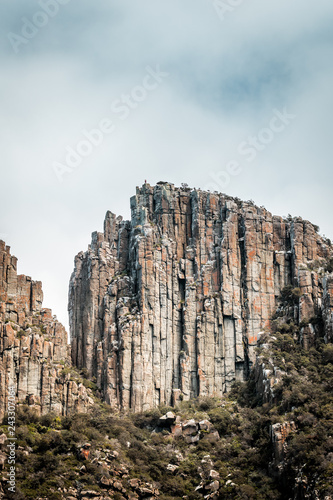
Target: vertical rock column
172 302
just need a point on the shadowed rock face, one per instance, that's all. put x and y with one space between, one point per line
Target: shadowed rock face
34 348
171 303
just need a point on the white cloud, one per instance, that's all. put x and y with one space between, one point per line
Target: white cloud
225 79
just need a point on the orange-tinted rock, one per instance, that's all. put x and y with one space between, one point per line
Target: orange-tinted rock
171 303
279 435
85 452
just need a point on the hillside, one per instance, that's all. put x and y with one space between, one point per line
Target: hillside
249 445
200 363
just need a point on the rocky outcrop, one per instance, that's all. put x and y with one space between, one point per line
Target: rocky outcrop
170 304
267 377
35 356
190 430
279 435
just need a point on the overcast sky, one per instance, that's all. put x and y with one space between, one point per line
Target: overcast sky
214 90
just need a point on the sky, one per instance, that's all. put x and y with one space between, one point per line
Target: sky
233 96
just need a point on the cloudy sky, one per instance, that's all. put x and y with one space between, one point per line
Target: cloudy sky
233 98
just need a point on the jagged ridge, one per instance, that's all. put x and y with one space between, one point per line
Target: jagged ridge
35 355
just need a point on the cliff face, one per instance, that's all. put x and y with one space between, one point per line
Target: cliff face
171 303
34 351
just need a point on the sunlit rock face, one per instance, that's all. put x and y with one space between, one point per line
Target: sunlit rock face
170 304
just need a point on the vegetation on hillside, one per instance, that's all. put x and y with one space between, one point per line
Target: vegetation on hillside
130 447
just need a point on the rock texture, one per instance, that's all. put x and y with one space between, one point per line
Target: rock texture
279 435
34 352
190 430
169 305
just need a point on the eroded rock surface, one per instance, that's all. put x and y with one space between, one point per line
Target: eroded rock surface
279 435
169 305
34 351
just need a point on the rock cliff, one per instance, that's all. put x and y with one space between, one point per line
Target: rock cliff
34 352
169 305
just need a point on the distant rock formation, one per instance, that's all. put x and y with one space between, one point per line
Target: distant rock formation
170 304
35 356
